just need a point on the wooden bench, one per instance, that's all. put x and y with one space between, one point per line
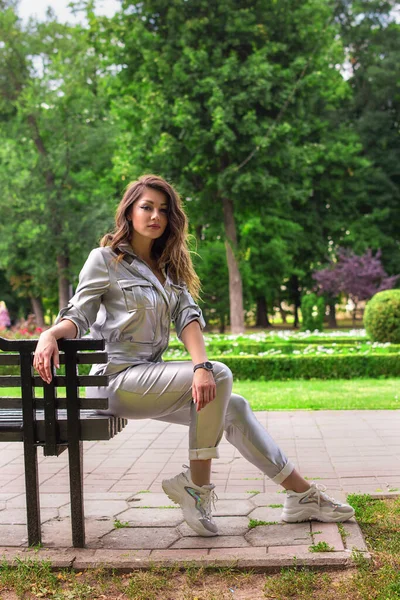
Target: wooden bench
54 423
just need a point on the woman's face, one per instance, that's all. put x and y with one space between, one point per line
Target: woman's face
150 214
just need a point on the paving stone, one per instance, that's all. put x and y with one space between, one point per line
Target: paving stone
184 555
58 533
17 516
354 538
127 559
329 533
46 501
6 496
268 498
13 488
265 513
13 535
59 557
242 554
280 535
151 500
141 538
109 496
152 517
299 550
101 508
11 554
226 526
233 495
219 541
225 508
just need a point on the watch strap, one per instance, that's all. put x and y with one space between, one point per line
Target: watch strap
207 365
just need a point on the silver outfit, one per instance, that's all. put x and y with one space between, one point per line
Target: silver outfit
126 305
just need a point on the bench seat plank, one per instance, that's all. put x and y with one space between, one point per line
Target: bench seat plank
93 426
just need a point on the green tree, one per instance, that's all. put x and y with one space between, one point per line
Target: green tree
55 159
372 39
200 100
213 272
267 243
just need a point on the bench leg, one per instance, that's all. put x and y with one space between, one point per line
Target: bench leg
32 494
75 452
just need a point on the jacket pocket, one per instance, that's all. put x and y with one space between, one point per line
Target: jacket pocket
138 294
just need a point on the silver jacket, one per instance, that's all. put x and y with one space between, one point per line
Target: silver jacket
125 304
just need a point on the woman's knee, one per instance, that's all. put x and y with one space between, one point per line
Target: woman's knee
222 373
237 409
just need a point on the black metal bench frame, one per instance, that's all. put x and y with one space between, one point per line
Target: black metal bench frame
44 421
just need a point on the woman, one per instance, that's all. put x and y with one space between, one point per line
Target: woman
139 280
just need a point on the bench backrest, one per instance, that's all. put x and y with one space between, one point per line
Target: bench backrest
71 355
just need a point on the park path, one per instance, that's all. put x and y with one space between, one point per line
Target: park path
348 451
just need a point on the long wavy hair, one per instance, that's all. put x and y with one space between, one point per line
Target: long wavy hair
171 249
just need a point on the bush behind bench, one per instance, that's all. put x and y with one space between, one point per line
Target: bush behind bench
264 368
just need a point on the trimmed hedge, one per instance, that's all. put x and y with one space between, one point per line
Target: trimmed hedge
285 347
264 368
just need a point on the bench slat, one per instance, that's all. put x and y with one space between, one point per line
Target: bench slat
60 381
93 426
9 359
85 403
83 358
30 345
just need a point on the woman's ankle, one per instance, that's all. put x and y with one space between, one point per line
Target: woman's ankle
200 472
296 483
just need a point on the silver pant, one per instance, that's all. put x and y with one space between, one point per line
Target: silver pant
163 391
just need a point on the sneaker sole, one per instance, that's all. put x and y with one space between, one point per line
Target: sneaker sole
176 497
301 517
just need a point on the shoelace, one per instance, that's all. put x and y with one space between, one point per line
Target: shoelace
208 498
321 489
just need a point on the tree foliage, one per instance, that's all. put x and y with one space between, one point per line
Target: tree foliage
55 157
358 277
279 159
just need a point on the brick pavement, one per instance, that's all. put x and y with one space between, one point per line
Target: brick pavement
348 451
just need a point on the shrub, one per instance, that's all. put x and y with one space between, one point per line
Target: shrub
312 310
382 317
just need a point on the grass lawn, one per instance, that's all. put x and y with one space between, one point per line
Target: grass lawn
340 394
375 580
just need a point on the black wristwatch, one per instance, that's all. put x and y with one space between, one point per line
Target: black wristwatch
204 365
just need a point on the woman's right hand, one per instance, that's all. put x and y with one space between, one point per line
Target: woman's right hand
46 349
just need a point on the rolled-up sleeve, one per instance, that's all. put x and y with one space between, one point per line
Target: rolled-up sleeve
94 282
186 312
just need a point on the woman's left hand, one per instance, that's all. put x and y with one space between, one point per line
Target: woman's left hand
204 388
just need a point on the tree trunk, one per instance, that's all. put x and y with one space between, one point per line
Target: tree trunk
332 323
282 312
63 280
295 294
235 279
222 324
354 314
262 313
37 309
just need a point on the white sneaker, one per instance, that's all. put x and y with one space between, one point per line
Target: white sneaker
195 502
314 504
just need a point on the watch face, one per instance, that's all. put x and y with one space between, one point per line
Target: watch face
208 365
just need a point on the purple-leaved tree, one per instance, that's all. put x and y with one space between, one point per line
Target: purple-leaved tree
358 277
